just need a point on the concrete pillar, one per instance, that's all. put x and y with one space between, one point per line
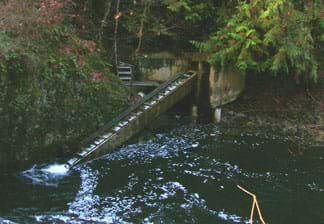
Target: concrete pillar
194 111
217 115
212 85
200 73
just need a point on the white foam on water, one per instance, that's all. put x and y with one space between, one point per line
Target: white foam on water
87 203
231 217
48 175
4 221
57 169
195 145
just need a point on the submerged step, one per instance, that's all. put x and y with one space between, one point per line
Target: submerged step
72 161
117 128
166 92
89 149
172 87
99 141
107 135
132 118
146 107
152 102
122 124
139 113
83 153
92 146
159 97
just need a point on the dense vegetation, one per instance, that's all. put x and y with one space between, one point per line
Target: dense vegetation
55 86
56 57
276 37
272 37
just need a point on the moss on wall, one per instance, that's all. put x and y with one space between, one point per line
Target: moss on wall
53 92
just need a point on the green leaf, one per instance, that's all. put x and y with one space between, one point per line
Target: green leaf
249 32
241 28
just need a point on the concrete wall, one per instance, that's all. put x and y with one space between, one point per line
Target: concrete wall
161 66
225 86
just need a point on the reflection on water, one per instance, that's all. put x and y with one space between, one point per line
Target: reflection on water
182 173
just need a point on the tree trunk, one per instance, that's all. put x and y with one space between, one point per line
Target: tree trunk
104 21
141 29
116 33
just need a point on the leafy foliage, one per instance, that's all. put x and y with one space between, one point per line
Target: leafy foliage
55 87
165 21
58 104
277 37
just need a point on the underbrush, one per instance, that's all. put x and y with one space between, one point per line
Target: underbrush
55 87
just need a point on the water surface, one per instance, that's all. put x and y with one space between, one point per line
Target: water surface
182 172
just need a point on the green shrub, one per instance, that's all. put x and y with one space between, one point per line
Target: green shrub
55 87
60 105
276 37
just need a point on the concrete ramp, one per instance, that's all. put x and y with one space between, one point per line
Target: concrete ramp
135 118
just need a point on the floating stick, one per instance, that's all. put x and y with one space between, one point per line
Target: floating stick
255 203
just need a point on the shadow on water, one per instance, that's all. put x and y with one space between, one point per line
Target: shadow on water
182 172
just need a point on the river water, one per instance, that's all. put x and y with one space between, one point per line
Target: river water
181 172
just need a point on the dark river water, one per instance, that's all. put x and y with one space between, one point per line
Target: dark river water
181 172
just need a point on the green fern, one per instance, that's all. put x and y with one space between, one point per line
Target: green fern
201 46
273 36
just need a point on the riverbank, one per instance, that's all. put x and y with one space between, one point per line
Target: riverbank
56 85
299 116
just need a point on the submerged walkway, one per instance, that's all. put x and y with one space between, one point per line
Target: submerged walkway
135 118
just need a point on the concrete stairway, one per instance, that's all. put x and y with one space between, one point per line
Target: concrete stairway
135 118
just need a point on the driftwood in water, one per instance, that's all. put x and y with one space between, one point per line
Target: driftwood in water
254 204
